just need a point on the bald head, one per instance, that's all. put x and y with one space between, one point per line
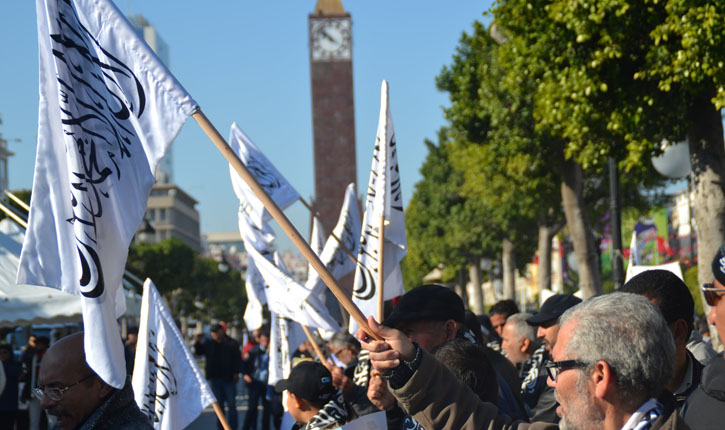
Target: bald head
68 353
64 367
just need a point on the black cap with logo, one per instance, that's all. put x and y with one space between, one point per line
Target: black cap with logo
311 381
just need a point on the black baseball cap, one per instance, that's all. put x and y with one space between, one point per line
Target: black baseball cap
427 302
553 307
718 265
311 381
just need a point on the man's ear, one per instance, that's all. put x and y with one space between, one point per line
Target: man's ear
104 390
602 377
451 328
525 344
680 332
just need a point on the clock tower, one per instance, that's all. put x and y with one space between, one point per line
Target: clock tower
333 110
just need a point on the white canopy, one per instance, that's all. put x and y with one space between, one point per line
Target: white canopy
28 304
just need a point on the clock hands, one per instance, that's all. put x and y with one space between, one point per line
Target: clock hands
327 36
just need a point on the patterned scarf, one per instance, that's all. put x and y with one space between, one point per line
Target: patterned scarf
333 415
644 417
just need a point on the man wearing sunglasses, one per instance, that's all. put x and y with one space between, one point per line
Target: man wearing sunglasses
78 398
614 354
706 406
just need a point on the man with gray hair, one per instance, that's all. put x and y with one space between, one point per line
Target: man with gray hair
524 349
613 356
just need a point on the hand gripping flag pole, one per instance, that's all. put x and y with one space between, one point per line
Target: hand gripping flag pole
283 221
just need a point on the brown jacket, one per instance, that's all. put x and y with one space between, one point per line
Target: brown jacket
437 400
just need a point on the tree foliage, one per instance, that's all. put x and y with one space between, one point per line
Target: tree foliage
193 285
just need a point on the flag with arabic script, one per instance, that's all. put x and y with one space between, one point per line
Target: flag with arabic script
339 250
109 109
168 385
281 191
290 299
384 198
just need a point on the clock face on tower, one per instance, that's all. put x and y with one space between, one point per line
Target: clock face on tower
330 39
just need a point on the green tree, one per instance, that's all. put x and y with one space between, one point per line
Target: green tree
188 280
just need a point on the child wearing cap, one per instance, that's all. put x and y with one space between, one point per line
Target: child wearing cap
311 398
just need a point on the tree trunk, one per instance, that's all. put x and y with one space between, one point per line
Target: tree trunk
707 153
460 286
474 274
545 235
509 270
590 281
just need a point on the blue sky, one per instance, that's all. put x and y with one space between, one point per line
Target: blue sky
248 62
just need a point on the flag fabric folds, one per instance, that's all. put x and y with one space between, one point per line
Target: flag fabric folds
281 191
335 252
168 385
384 197
285 337
108 111
288 298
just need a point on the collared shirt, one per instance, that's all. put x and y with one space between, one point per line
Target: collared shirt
687 381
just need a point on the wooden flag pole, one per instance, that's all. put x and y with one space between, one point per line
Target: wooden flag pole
283 221
316 348
381 266
220 416
342 245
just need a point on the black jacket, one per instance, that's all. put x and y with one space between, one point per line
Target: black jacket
706 405
119 412
223 359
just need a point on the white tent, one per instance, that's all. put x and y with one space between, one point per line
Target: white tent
27 304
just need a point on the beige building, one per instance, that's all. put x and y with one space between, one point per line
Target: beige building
171 213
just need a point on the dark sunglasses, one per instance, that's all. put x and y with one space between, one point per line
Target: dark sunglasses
554 368
712 294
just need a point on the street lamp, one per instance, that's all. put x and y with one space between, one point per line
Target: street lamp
147 232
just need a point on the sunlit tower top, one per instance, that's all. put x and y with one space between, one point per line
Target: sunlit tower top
333 107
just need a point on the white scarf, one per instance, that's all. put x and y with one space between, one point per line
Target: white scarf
645 416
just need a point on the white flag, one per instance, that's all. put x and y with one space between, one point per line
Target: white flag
108 111
288 298
384 197
261 239
285 337
633 252
168 385
256 296
335 253
281 191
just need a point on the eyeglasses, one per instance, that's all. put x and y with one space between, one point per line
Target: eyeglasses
554 368
55 393
712 294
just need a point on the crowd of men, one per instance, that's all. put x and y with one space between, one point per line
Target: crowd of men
628 360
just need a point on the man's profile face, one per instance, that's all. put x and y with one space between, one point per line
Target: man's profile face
217 335
31 341
717 312
576 405
548 332
427 334
498 321
345 354
263 341
78 402
511 344
292 408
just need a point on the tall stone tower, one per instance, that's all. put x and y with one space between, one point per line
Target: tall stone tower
333 110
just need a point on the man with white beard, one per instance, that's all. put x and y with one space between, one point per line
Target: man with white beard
613 356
